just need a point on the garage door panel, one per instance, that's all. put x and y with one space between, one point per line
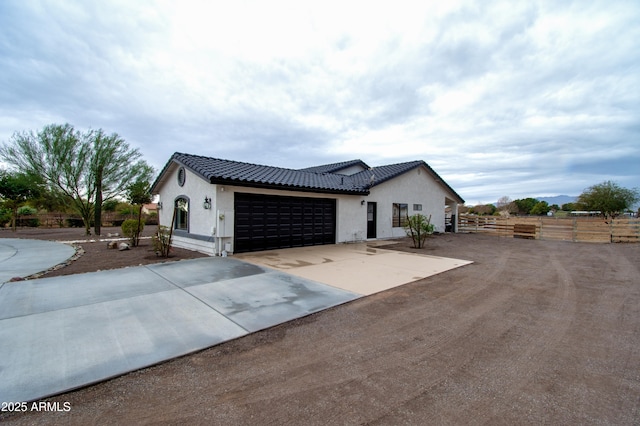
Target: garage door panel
266 222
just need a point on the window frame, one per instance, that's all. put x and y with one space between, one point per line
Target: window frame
182 214
397 219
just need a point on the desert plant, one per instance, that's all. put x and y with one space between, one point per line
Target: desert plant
162 241
27 217
132 230
5 217
419 227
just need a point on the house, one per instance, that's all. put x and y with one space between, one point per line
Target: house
219 205
149 208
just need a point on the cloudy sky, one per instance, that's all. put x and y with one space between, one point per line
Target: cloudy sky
515 98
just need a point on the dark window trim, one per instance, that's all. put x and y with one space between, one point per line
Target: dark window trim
175 203
400 220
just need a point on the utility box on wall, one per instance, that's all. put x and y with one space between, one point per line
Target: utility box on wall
224 223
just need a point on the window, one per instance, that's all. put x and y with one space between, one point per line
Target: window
182 214
400 214
182 175
417 207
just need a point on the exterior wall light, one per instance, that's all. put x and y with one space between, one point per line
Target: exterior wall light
160 205
207 203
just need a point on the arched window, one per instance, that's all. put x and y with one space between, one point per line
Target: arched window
182 213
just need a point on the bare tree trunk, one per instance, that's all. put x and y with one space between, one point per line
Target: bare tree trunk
14 219
173 220
97 218
138 230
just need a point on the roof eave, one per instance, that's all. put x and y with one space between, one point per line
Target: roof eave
262 185
436 176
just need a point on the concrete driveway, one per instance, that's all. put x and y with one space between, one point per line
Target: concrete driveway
61 333
21 257
66 332
360 268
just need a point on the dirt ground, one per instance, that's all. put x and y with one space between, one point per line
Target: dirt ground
533 332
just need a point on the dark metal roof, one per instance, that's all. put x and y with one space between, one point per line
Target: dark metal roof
312 179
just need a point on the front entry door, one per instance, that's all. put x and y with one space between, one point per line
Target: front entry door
371 220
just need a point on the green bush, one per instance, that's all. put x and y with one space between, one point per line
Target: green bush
26 217
419 227
5 217
27 211
131 231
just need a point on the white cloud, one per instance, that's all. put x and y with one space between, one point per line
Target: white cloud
501 98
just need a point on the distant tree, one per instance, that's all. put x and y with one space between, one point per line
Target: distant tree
608 198
15 190
554 207
525 205
53 200
503 202
570 207
110 205
88 168
483 209
463 209
541 208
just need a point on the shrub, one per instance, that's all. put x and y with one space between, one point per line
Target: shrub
5 217
130 230
26 217
419 227
162 241
74 222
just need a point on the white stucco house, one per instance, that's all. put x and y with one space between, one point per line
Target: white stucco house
219 205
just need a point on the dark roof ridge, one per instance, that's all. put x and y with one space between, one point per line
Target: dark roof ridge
237 162
332 167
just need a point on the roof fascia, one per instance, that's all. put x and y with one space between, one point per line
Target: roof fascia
280 187
162 177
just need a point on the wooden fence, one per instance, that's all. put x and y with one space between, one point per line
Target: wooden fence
578 229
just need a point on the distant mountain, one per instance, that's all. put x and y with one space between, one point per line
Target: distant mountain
558 199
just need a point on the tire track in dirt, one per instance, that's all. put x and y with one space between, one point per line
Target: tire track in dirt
504 377
390 355
470 300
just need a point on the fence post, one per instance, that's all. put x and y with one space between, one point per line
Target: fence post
611 229
574 236
541 224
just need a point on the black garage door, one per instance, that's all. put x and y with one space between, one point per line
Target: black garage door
265 222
